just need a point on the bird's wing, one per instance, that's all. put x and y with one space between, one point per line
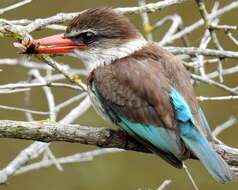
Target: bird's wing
152 99
136 95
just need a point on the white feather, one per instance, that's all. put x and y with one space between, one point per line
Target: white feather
95 57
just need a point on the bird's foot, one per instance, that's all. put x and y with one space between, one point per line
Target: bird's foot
124 137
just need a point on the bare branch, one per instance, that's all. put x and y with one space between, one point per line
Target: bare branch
48 93
23 110
33 151
72 77
19 4
203 98
214 83
77 111
7 91
200 51
79 157
39 84
224 126
70 101
190 177
24 63
47 131
164 184
62 17
199 23
146 22
150 7
229 34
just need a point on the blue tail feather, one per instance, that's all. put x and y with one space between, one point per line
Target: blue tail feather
197 142
200 146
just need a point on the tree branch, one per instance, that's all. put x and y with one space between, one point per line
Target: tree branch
48 131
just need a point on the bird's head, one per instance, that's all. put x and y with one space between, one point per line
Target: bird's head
98 35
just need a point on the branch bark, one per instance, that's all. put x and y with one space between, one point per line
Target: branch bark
48 131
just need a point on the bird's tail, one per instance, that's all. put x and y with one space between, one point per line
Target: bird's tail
200 146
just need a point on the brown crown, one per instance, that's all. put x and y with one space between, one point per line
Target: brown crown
106 22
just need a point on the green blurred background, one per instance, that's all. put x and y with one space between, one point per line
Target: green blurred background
125 170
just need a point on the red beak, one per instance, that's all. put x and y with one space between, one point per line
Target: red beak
55 44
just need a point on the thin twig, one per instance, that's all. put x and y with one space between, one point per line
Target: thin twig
31 152
192 27
38 84
62 17
229 34
23 110
19 4
49 95
7 91
204 98
77 111
224 126
199 51
190 177
214 83
54 160
146 22
75 158
69 101
165 184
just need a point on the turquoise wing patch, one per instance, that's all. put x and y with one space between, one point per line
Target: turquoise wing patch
162 138
181 108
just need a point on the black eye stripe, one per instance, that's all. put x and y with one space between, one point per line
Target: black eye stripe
85 37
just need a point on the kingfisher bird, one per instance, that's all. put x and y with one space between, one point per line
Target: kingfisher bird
140 87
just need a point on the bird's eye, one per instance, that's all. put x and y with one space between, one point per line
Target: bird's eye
88 37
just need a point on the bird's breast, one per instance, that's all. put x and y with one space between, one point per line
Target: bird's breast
96 102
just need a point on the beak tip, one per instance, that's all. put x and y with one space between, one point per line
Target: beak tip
30 50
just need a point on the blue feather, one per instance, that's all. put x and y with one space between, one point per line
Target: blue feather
197 142
162 138
181 108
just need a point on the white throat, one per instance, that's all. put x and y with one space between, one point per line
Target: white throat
99 57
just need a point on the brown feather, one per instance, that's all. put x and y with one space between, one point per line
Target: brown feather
138 87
